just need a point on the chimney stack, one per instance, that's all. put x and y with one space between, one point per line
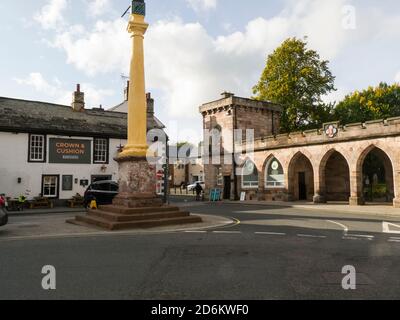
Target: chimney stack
78 100
150 103
227 94
126 91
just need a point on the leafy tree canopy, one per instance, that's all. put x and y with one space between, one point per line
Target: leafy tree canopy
374 103
296 78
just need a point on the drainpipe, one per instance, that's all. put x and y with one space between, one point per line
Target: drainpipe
166 174
235 180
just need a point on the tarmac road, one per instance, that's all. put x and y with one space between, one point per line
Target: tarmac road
271 253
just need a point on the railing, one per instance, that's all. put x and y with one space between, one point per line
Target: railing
181 191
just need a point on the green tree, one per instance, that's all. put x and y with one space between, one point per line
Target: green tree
297 79
374 103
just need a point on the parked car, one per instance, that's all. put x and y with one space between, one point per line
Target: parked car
3 217
102 191
191 187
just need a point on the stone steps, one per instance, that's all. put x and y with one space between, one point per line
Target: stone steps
154 215
140 224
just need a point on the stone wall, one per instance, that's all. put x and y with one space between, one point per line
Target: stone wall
335 170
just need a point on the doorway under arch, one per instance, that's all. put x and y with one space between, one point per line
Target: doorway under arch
301 178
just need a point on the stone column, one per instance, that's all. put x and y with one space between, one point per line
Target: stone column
319 187
396 180
137 109
356 188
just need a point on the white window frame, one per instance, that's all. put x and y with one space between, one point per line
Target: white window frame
277 185
250 184
37 148
100 153
50 186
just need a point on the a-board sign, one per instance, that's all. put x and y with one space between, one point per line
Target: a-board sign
215 195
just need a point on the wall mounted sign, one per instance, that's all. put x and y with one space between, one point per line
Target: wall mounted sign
70 151
67 183
84 183
331 130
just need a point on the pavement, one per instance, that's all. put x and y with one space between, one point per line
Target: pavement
271 252
385 209
56 210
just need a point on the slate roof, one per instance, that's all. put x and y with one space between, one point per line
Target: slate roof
46 118
123 107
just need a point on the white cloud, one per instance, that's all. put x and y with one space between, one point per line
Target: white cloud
36 80
189 66
51 15
57 92
397 77
202 5
105 49
98 7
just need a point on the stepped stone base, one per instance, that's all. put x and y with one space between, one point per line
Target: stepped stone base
137 205
121 218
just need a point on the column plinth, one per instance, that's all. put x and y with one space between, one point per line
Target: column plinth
137 181
319 198
356 201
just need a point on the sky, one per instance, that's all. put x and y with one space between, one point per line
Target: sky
194 49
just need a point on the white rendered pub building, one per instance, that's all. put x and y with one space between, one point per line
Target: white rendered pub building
56 151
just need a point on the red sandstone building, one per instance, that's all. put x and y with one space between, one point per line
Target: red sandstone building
354 163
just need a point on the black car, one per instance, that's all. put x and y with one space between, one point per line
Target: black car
3 217
102 191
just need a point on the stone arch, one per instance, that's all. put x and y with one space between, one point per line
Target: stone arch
334 177
300 178
375 182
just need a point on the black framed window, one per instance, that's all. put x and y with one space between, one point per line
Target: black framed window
100 150
37 148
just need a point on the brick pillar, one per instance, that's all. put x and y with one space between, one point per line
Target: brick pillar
356 186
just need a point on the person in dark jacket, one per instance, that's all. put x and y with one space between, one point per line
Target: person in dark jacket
199 190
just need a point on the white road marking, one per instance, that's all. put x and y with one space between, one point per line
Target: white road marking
345 228
311 236
394 240
271 233
386 227
355 237
195 231
227 232
361 236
